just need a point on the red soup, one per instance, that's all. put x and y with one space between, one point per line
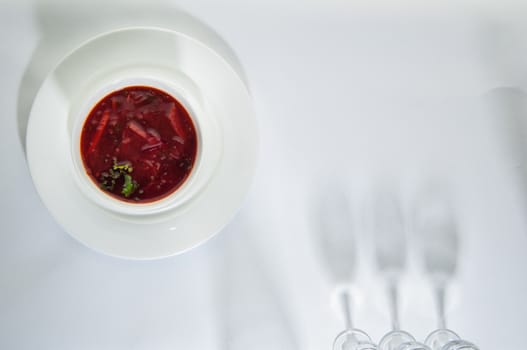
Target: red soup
138 144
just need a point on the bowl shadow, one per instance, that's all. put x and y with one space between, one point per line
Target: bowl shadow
61 30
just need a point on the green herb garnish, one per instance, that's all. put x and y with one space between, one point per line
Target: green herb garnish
129 186
122 166
109 178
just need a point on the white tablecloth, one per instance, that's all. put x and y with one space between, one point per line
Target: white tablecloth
370 95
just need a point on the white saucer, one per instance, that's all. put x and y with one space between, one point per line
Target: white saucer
190 67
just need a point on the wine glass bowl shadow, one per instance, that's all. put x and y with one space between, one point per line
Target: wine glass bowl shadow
331 219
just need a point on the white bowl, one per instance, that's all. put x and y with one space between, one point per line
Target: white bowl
219 103
209 140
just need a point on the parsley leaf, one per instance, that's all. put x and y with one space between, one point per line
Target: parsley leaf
129 186
110 177
122 167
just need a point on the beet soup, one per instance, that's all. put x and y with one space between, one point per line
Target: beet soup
138 144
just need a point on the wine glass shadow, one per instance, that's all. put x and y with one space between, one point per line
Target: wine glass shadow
333 234
251 312
390 245
389 234
436 225
64 26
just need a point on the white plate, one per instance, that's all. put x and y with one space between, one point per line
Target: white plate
142 55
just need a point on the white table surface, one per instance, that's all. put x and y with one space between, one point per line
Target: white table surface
370 95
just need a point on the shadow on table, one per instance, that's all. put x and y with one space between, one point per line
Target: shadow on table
63 28
437 227
504 48
251 311
333 232
509 105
